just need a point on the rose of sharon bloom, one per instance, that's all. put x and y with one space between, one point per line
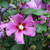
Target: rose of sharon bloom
48 8
19 26
32 4
40 4
44 18
1 31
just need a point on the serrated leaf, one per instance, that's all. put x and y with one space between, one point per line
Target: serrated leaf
12 12
41 28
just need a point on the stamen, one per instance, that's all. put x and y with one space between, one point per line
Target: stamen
11 19
21 27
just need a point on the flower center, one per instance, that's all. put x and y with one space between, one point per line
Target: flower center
21 27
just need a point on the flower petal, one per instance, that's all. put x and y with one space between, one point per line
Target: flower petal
35 23
11 25
2 33
30 31
3 25
43 17
17 18
28 20
32 4
19 37
10 31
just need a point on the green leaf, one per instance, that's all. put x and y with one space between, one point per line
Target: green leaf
12 12
4 4
32 11
41 28
5 15
24 0
28 11
5 43
38 12
17 47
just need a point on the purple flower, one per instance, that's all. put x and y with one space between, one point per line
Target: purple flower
43 17
20 5
48 7
19 26
33 4
12 5
40 4
1 31
49 23
3 10
49 46
46 34
30 4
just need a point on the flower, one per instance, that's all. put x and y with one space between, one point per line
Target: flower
32 4
19 26
40 4
12 5
20 5
3 10
46 34
1 31
43 17
49 46
48 7
49 23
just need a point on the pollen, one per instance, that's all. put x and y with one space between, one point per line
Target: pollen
21 27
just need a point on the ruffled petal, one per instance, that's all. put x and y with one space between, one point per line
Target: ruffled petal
32 4
9 32
19 37
30 31
43 17
28 20
17 18
3 25
11 25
